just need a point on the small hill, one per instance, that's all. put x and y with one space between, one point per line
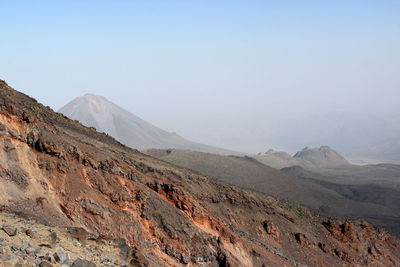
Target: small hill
277 159
96 111
322 157
309 158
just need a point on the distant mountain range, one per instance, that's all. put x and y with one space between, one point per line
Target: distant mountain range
129 129
361 138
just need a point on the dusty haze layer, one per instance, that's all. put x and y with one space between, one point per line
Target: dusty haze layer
239 75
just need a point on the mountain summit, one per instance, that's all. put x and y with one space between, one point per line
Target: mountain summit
96 111
323 156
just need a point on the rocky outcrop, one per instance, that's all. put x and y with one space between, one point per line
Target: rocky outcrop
66 175
33 244
271 229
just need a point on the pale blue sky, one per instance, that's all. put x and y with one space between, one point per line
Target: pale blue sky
174 63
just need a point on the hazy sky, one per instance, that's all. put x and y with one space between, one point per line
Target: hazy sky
175 63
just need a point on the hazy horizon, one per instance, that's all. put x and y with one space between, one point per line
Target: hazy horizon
217 73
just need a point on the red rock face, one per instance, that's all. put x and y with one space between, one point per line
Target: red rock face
66 174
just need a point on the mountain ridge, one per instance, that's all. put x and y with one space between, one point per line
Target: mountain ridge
97 111
321 157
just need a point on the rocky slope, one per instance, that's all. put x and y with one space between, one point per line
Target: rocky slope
129 129
371 193
340 194
241 171
72 176
27 242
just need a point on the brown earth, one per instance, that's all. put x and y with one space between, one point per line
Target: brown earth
66 174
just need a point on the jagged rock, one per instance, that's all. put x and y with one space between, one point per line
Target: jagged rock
83 263
45 256
17 176
53 237
8 261
323 247
348 231
301 239
45 244
10 231
30 233
4 250
61 257
343 255
373 251
30 250
343 232
287 217
45 264
137 259
8 146
271 229
80 234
